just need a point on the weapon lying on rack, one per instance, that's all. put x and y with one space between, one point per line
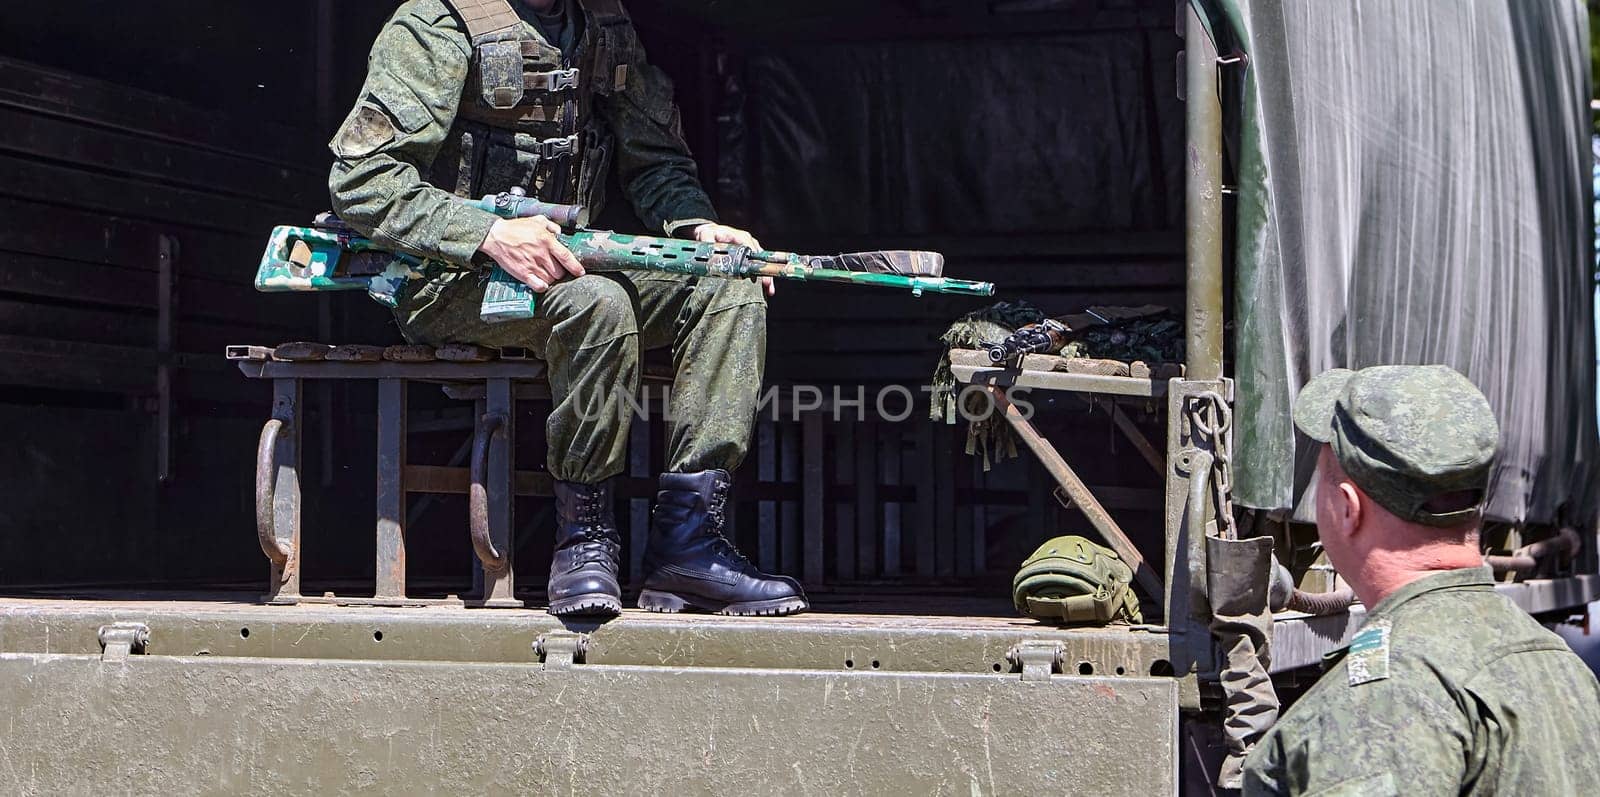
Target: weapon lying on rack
1045 337
330 256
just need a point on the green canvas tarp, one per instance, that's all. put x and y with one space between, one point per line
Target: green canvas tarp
1414 187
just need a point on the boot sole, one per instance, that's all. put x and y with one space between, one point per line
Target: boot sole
672 603
600 605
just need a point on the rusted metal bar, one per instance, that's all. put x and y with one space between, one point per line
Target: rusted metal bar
1080 494
284 583
1195 514
1321 603
1527 559
1203 315
498 487
266 467
391 527
493 560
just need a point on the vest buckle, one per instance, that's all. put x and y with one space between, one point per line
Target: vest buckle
552 148
562 79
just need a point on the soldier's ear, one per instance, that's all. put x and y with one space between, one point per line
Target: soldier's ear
1353 508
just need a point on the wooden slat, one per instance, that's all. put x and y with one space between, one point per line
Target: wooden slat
72 233
356 353
91 325
960 471
789 546
638 508
28 86
844 524
927 477
441 480
944 504
980 520
152 160
767 444
869 528
894 514
222 304
121 196
815 517
815 302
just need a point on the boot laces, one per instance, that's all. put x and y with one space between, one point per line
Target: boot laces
595 550
597 543
716 512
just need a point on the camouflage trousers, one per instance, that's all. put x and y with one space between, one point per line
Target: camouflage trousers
592 331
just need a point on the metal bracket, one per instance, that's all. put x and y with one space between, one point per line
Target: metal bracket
559 650
119 640
1037 658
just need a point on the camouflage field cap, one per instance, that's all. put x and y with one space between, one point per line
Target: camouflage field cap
1406 435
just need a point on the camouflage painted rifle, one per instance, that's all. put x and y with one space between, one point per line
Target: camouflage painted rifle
332 257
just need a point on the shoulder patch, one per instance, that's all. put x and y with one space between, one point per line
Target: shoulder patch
1368 659
367 129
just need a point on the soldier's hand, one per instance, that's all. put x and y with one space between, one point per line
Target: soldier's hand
723 234
530 252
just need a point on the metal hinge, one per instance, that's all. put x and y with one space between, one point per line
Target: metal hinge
559 650
119 640
1037 658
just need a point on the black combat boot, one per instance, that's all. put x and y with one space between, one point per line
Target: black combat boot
583 573
692 565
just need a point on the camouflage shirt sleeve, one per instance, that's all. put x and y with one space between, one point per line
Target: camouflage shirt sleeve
1382 738
414 82
658 175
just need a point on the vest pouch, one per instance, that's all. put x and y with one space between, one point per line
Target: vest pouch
616 49
597 152
510 160
460 162
500 74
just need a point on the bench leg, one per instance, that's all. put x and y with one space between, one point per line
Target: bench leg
391 547
283 587
497 473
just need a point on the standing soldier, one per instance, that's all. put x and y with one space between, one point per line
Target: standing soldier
472 97
1447 688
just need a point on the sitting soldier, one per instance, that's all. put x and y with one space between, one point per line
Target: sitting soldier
473 97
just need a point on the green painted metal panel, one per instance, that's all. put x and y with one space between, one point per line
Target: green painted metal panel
149 723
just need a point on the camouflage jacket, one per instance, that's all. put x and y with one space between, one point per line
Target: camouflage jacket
404 149
1447 688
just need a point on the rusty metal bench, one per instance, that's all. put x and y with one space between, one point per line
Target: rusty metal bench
493 379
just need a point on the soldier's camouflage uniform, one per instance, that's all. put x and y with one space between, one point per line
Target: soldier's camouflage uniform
444 112
1448 688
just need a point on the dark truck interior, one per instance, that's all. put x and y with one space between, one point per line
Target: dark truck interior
147 153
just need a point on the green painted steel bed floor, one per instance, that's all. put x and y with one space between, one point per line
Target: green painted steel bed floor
948 633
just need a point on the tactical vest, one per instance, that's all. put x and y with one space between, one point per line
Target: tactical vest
526 118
